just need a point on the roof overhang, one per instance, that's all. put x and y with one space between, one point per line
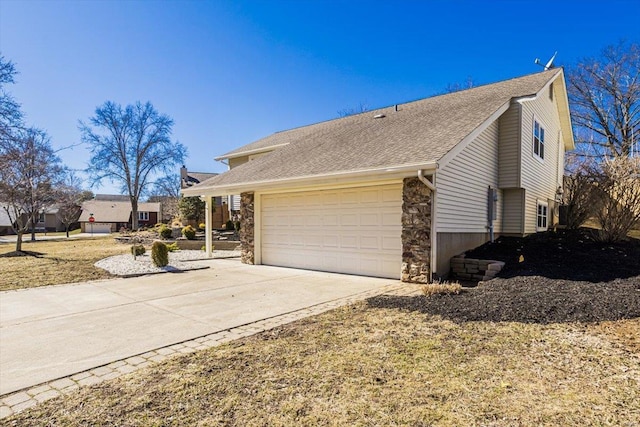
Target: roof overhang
249 152
355 177
564 112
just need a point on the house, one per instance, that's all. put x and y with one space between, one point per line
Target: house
396 192
48 220
110 213
223 210
5 222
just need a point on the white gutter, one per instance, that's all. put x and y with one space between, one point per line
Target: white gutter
434 236
198 190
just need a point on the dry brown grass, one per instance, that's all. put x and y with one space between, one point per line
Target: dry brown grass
444 288
364 366
61 261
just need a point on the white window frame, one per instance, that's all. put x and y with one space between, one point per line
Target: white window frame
143 216
538 140
542 215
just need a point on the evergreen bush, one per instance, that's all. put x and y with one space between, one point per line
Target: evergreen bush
159 254
165 232
189 232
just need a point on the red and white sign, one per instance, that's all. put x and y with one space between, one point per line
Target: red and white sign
92 219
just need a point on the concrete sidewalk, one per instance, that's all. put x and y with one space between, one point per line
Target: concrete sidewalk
41 236
54 332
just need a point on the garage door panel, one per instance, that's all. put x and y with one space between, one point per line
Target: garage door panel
350 220
355 231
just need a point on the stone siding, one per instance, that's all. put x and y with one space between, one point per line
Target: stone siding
247 225
416 231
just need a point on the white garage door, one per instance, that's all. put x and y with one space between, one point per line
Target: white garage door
98 227
355 230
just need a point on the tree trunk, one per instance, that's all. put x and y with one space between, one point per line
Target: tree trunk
33 230
67 230
19 242
134 213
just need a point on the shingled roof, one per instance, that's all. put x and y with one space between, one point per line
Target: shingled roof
113 211
419 132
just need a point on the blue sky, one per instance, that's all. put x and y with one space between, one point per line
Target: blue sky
231 72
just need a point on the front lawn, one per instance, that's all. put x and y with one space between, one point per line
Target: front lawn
54 262
367 365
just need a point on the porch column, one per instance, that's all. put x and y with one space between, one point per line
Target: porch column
208 236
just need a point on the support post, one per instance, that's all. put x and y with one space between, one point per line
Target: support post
208 236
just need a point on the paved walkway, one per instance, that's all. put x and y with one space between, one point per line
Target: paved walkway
11 238
86 333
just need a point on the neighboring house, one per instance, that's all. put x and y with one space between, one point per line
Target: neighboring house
223 209
112 215
48 220
5 222
396 192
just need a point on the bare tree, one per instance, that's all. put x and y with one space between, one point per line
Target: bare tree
129 146
604 95
579 181
166 190
29 174
617 197
10 114
457 87
69 198
360 108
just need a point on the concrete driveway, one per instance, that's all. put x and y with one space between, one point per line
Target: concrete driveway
52 332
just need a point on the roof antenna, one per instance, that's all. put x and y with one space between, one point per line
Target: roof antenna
549 64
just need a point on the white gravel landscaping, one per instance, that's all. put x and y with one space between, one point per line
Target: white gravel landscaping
125 265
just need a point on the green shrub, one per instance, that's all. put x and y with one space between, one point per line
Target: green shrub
159 254
204 248
158 225
165 232
202 226
173 247
237 225
229 225
137 250
189 232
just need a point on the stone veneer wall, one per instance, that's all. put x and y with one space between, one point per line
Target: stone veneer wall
247 225
416 231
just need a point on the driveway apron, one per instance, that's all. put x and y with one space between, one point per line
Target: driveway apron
52 332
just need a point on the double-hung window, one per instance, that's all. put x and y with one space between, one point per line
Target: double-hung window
538 140
143 216
542 216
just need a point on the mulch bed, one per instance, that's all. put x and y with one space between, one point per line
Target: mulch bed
565 254
566 276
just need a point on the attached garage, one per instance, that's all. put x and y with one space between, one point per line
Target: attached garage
349 230
98 227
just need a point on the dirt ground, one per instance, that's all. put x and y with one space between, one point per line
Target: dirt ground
565 276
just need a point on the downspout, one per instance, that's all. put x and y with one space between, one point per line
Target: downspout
434 240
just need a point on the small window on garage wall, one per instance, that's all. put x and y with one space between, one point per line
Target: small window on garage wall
143 216
538 140
542 216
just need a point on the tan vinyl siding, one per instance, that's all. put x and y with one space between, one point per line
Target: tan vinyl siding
513 213
463 185
539 178
508 148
